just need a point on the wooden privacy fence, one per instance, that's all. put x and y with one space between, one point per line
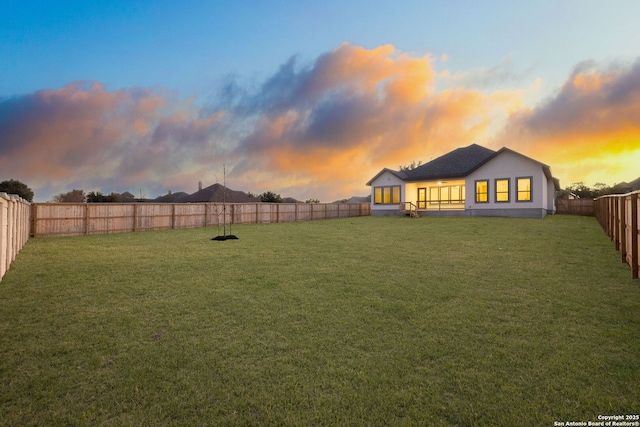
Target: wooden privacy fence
619 216
14 228
68 219
575 206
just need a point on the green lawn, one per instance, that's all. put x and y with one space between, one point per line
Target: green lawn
350 322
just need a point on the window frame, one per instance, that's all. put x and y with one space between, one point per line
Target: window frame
386 192
530 191
486 181
508 192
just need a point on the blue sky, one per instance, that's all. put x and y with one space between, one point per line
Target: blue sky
200 61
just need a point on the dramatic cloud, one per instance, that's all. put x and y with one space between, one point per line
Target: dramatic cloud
336 122
590 129
316 130
83 136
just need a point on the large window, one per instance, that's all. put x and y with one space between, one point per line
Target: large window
502 190
446 195
386 195
482 191
523 189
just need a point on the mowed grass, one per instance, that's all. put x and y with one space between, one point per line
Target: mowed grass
350 322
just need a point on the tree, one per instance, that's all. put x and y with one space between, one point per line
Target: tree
98 197
411 166
270 197
16 187
312 201
581 190
603 189
73 196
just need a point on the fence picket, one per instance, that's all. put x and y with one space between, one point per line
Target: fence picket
618 217
15 222
64 219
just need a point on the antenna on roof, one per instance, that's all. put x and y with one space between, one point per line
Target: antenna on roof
225 236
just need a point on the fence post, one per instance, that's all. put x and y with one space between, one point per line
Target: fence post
86 218
617 222
135 217
634 235
4 231
11 222
623 229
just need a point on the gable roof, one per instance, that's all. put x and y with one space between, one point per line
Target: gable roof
218 193
400 174
545 168
457 163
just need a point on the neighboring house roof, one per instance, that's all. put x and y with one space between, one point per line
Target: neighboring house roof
627 187
127 196
290 200
457 164
171 197
218 193
357 199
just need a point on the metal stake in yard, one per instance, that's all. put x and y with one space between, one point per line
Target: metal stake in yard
224 210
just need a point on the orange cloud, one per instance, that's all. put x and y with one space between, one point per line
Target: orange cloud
350 113
84 136
317 130
589 129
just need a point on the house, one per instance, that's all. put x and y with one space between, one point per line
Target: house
469 181
626 187
218 193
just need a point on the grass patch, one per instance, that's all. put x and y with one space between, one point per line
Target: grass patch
360 321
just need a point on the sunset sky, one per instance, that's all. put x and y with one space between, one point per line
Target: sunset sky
310 99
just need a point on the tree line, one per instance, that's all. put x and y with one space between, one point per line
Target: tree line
13 186
599 189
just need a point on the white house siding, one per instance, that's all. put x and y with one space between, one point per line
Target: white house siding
509 165
387 179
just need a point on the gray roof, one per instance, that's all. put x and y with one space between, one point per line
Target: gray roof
457 163
218 193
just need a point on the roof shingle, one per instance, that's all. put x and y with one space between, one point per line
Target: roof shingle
457 163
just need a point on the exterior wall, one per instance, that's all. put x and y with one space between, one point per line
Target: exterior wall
385 180
512 166
411 192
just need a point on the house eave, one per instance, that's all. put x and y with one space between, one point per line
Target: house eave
401 175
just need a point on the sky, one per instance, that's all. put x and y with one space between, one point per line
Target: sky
310 99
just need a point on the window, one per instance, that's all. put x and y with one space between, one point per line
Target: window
386 195
457 194
524 189
502 190
482 191
434 196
